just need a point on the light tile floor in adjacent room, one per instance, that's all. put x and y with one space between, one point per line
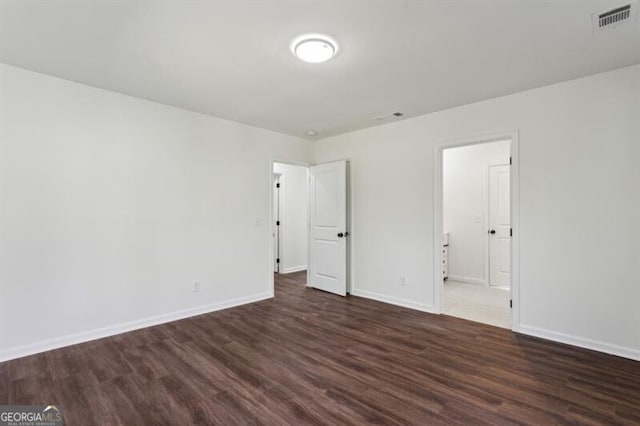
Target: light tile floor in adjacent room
476 302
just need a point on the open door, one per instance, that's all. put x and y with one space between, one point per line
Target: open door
500 226
328 223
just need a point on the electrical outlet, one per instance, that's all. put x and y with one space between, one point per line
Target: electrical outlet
403 280
196 286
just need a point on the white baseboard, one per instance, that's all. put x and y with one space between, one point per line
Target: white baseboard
580 342
393 301
293 269
86 336
467 279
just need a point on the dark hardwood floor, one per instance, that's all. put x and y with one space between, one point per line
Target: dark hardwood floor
309 357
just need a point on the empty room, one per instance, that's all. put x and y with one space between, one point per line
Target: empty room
290 212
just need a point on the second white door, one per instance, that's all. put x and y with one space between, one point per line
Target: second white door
276 222
499 226
328 233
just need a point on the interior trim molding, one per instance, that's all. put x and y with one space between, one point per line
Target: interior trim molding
86 336
293 269
393 301
581 342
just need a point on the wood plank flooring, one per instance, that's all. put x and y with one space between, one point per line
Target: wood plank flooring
309 357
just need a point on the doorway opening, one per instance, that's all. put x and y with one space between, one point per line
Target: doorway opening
290 220
476 209
309 226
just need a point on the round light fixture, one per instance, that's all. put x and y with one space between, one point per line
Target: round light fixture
312 133
314 48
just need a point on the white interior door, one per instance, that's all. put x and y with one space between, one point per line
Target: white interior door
328 222
499 226
276 222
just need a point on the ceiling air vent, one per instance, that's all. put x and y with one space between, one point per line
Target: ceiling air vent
384 117
614 17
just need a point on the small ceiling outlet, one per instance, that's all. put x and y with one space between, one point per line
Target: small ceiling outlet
312 133
613 18
384 117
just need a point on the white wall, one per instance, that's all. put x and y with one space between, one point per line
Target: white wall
294 201
465 197
111 206
579 205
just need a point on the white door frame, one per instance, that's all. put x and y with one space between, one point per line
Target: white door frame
278 209
272 160
438 287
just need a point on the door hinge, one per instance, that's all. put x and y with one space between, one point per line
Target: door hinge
511 232
277 223
510 160
278 260
277 185
511 303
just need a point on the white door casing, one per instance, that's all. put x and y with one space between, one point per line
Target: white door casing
276 220
499 226
328 222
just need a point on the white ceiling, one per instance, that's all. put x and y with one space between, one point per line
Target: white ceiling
231 58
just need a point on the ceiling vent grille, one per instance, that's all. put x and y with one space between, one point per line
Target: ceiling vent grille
614 17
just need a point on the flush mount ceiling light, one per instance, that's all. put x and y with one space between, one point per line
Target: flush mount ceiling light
314 48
